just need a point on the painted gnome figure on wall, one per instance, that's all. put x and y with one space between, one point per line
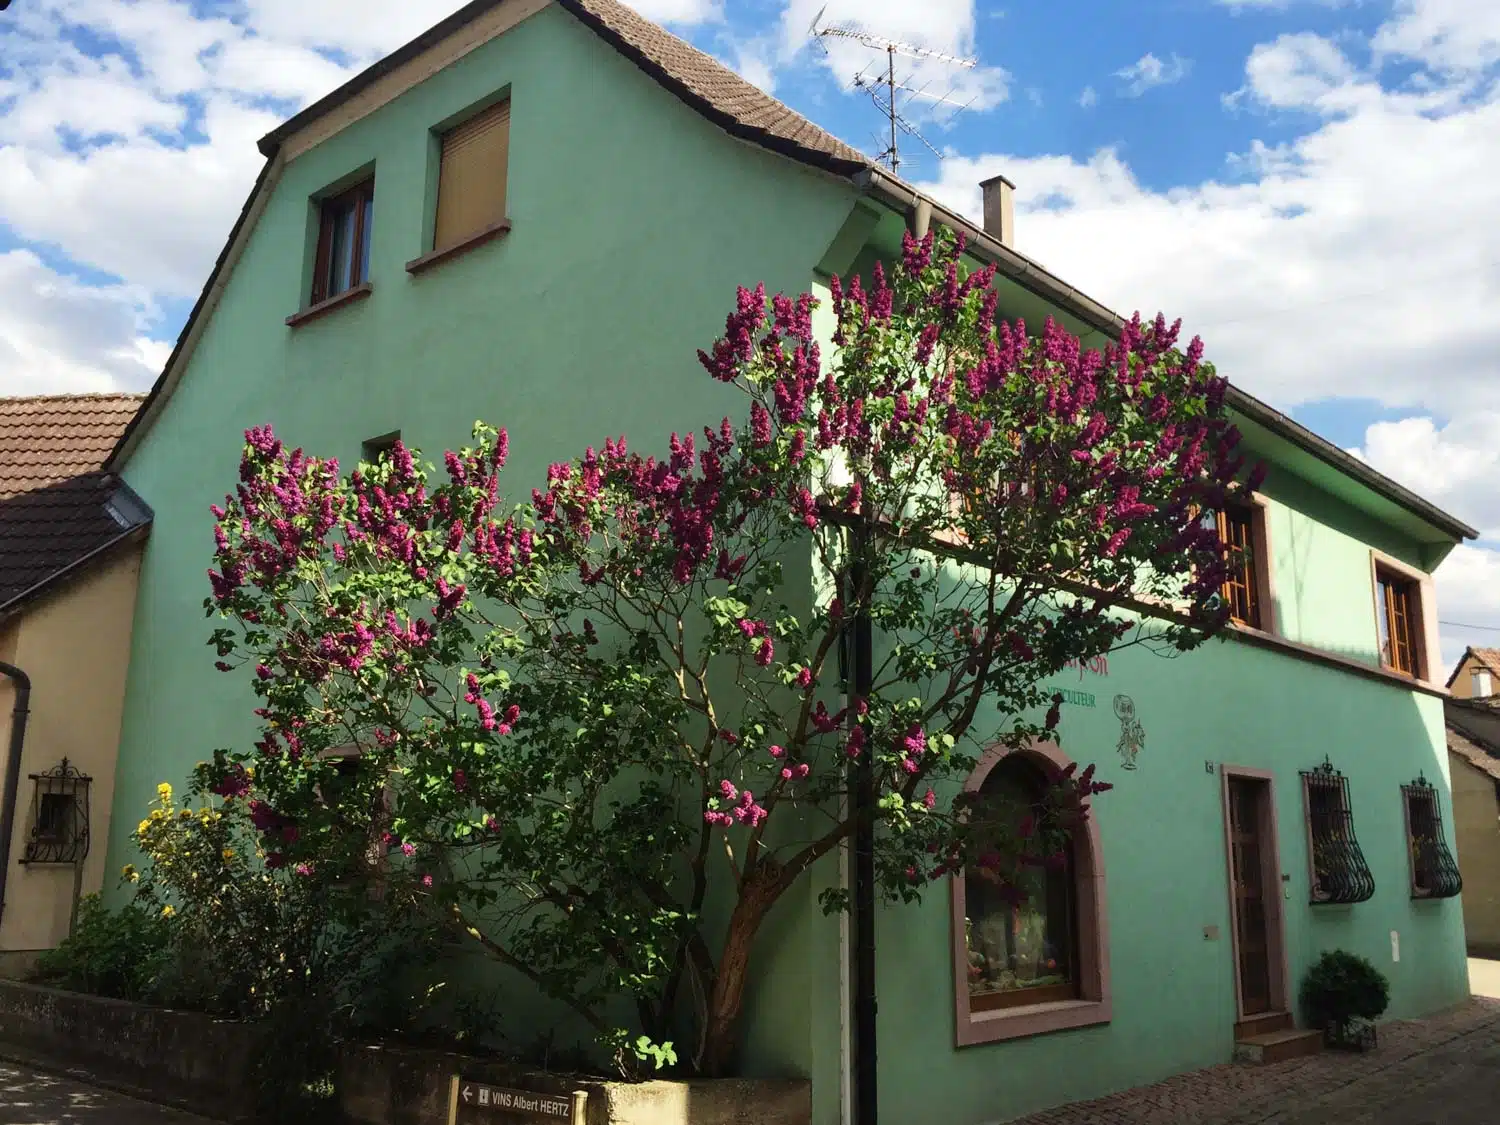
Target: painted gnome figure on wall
1132 734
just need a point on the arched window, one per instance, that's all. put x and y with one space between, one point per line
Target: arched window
1020 927
1029 945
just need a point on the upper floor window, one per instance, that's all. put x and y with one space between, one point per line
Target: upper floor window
1241 528
343 257
1398 609
471 177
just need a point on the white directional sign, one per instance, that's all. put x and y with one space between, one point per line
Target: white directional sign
480 1103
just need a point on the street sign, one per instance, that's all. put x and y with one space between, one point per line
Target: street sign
479 1103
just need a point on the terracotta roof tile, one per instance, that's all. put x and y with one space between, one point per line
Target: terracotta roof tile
712 86
1474 754
1489 657
57 505
50 439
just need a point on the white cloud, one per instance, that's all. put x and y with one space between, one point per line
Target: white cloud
1468 594
1299 72
685 12
1148 72
1088 98
58 334
1450 36
755 61
1324 266
1457 465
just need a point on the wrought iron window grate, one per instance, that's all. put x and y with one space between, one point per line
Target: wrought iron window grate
1434 873
1339 871
59 816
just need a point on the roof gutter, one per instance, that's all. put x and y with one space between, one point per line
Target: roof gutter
136 531
1045 284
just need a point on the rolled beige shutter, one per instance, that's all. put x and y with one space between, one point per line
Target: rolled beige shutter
471 178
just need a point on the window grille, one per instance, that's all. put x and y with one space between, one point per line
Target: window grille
59 816
1339 871
1434 874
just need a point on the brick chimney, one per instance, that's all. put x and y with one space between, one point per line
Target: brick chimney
999 210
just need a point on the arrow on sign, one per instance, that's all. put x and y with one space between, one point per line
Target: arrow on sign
468 1094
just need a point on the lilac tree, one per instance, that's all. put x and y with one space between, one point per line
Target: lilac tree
584 721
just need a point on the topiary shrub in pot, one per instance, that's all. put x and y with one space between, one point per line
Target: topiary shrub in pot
1344 994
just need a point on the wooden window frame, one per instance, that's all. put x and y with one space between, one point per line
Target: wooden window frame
1421 615
362 197
1083 1003
1250 509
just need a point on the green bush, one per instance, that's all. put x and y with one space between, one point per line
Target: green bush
121 953
1343 986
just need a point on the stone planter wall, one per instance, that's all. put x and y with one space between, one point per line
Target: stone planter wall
204 1064
184 1058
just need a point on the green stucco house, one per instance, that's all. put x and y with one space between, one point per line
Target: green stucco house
535 213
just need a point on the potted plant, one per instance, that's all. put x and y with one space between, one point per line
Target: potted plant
1344 994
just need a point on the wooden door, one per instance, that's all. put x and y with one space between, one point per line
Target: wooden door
1248 825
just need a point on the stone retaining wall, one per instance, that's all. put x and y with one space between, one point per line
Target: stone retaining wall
204 1064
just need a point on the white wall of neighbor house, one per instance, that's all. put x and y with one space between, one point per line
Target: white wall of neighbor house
1476 823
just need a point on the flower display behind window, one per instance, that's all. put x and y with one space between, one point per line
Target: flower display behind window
1020 927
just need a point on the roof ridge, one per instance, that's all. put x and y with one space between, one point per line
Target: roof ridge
76 396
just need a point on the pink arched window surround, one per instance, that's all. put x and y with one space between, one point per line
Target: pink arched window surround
1092 1004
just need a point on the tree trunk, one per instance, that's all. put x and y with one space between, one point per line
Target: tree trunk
721 1037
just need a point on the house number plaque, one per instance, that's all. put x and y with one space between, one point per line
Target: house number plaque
479 1103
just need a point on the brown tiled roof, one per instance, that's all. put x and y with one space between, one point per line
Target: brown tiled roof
712 88
1489 657
50 439
57 505
1474 754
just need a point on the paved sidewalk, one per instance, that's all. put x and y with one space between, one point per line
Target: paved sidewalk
1439 1071
31 1097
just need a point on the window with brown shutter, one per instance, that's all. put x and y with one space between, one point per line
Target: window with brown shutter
471 177
343 258
1398 610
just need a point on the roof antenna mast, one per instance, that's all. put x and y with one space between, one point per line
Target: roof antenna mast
883 91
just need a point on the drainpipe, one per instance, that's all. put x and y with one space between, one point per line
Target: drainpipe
12 769
862 776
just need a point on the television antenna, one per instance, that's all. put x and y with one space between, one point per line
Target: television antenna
883 90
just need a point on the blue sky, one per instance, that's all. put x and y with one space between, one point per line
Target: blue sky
1308 183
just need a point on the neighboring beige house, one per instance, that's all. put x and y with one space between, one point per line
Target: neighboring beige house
1474 761
1477 674
70 546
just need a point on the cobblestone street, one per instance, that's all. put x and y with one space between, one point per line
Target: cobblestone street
1440 1071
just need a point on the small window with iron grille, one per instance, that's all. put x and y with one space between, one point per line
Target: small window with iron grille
1339 871
59 816
1434 874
